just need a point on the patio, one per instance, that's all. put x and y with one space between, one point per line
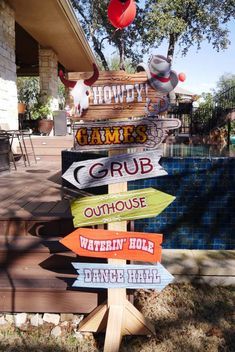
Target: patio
34 214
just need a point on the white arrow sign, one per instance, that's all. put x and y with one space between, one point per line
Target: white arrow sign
121 168
128 276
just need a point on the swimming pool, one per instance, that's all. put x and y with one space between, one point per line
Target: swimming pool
202 215
187 150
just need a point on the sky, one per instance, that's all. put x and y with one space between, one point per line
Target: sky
204 67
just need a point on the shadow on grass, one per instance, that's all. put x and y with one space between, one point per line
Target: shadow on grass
187 318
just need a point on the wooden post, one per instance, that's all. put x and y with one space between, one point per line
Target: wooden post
116 296
119 316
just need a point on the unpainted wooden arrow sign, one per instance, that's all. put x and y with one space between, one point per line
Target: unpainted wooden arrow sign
101 243
102 209
106 135
128 276
121 168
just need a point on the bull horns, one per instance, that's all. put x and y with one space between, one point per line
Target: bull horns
88 81
94 77
66 82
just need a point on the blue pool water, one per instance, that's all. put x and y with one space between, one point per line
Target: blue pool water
203 214
184 150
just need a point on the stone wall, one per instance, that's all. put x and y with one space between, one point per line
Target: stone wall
48 71
8 90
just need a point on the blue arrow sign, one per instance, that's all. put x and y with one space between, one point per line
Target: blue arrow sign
128 276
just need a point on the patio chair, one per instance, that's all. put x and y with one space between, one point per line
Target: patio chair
4 134
20 136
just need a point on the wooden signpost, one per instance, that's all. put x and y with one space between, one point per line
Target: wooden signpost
101 243
121 168
128 276
142 203
147 132
118 94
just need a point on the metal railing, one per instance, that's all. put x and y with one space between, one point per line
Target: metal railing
216 115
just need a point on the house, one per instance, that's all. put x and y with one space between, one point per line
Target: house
35 38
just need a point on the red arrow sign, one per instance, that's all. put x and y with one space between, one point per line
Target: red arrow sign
115 244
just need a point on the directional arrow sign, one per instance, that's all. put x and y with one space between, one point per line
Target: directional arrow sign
115 244
103 135
128 276
137 204
121 168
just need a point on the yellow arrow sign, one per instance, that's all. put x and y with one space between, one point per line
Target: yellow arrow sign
137 204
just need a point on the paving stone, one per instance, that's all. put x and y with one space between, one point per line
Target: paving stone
66 316
9 318
20 319
36 320
77 319
2 321
51 318
64 324
56 331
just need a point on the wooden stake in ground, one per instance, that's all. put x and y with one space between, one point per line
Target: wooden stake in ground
118 315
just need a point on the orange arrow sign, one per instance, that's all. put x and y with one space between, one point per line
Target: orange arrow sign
115 244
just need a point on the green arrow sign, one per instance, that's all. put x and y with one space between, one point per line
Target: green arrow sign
143 203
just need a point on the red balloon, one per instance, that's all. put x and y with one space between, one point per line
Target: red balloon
182 77
121 13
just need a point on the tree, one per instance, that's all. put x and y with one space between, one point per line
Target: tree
188 22
225 82
183 22
128 42
27 90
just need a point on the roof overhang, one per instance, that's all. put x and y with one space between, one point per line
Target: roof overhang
53 24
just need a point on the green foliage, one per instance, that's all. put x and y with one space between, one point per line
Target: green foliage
188 22
27 90
114 64
42 107
61 95
226 81
206 100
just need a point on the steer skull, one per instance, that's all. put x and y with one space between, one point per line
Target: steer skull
81 90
